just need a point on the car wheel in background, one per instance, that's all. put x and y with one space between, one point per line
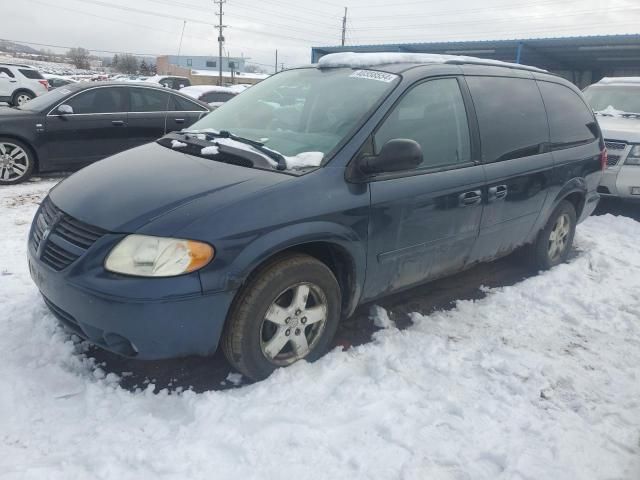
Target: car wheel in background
288 311
20 98
554 241
16 161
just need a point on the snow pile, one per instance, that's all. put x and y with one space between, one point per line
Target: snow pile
177 144
210 150
354 60
304 160
538 380
380 317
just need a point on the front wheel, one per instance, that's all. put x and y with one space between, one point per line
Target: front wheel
287 312
16 161
554 241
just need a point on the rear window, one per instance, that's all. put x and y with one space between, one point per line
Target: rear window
570 120
6 71
512 118
33 74
183 105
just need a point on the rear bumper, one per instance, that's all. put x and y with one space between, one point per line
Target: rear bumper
152 328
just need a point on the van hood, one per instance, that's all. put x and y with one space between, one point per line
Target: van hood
131 189
620 128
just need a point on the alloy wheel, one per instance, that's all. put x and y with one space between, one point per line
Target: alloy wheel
559 236
14 161
293 324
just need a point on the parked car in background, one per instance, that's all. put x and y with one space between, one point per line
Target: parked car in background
397 170
77 124
20 83
212 94
616 102
56 81
169 81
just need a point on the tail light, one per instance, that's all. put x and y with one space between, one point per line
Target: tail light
44 83
604 158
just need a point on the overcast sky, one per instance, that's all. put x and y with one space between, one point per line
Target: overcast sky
257 28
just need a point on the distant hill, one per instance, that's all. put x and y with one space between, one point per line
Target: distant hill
8 46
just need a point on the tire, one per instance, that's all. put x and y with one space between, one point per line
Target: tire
553 244
21 97
292 301
17 161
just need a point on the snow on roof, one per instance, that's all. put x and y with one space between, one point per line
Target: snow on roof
240 75
352 59
200 89
625 80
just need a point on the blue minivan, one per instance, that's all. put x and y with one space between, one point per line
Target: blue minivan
315 191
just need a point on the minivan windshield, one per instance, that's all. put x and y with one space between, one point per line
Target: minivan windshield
623 98
304 110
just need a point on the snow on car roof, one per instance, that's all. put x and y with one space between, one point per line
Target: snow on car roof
200 89
352 59
620 80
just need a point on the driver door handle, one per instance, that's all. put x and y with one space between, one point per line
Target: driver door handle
179 120
117 123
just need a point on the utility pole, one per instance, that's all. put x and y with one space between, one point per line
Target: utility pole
220 38
344 25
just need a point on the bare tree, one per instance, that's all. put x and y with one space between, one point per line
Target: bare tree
79 57
127 63
250 68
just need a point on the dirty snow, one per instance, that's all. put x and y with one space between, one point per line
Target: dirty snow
354 60
540 380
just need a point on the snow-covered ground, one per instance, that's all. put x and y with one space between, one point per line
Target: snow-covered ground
540 380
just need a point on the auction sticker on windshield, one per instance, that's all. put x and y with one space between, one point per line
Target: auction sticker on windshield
374 75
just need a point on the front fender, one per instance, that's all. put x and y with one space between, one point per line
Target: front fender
276 241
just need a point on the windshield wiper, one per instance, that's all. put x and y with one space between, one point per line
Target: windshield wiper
211 136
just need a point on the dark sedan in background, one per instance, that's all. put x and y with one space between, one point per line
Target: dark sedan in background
75 125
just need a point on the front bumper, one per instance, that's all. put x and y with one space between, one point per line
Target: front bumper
621 182
153 327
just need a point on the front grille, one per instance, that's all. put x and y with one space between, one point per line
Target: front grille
615 145
68 237
618 151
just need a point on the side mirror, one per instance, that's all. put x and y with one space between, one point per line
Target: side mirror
396 155
65 110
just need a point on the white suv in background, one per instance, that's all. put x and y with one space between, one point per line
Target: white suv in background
20 83
616 102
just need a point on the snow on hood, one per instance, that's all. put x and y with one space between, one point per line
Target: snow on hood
354 60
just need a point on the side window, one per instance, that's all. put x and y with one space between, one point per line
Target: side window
98 100
570 120
511 116
183 105
148 100
432 114
32 74
6 72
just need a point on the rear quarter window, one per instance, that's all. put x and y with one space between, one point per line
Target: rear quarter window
511 117
33 74
570 120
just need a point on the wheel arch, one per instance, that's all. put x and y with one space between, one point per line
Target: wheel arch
334 245
23 89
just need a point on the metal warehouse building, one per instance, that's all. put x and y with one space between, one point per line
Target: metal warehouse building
582 60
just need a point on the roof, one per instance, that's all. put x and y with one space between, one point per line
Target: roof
557 53
351 59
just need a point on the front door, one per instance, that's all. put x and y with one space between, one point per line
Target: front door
424 222
96 129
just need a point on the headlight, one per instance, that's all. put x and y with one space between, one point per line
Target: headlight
146 256
634 156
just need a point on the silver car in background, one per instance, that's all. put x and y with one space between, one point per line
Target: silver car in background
616 102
